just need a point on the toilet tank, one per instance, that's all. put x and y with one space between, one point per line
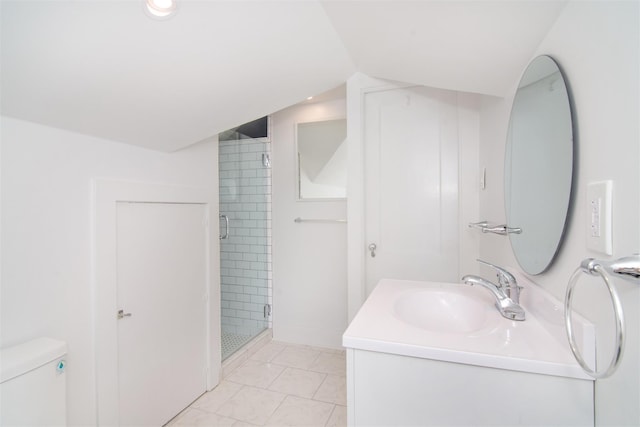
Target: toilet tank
33 384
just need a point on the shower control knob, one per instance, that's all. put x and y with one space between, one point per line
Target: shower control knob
372 249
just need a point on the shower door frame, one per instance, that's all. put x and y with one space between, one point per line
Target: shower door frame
245 273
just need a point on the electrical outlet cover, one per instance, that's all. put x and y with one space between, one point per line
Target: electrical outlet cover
599 217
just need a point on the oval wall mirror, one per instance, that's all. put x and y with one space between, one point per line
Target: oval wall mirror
539 165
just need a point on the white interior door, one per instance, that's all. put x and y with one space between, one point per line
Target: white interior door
411 185
161 288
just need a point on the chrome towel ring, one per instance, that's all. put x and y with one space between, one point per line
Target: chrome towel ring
629 271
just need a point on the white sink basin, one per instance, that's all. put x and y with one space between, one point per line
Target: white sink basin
441 310
459 323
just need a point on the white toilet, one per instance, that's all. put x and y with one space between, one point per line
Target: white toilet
33 384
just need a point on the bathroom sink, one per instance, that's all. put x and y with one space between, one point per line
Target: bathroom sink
454 322
441 310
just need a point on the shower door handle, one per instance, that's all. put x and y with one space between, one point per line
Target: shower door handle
226 227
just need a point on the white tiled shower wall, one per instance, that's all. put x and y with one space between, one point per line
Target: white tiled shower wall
245 256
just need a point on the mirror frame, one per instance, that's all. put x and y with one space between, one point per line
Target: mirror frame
296 171
564 211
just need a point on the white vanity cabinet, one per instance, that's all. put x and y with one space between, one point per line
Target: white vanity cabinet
392 390
465 366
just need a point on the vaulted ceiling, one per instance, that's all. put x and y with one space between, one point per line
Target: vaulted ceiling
105 68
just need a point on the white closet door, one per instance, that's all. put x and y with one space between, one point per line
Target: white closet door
411 185
161 269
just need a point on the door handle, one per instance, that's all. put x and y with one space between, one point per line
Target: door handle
122 314
226 227
372 249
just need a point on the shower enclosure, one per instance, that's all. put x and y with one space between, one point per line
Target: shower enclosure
245 240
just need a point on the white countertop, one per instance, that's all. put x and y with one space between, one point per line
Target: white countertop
536 345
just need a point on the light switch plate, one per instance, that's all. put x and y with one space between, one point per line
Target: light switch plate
599 218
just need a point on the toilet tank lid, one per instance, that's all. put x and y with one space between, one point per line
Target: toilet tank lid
22 358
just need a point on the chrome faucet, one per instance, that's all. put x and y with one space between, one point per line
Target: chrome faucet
506 292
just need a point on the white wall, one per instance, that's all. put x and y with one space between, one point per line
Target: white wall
597 46
46 235
309 259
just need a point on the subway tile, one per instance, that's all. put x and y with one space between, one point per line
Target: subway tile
228 296
257 315
235 321
258 232
243 297
252 325
228 280
250 257
232 290
251 273
228 166
243 281
227 312
246 265
251 156
252 290
252 307
225 263
258 299
242 314
236 256
243 248
259 283
238 305
257 266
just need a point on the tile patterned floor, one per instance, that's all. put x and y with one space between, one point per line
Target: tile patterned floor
279 385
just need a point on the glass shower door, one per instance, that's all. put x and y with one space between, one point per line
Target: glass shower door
245 241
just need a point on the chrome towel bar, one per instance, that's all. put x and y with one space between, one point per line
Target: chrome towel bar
341 221
503 230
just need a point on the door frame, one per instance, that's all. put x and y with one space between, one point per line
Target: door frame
105 195
358 86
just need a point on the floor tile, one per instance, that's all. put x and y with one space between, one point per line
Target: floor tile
252 405
268 352
196 417
213 399
296 357
330 363
298 382
296 411
338 417
333 390
256 373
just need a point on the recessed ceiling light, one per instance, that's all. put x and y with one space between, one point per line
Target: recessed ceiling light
309 98
160 8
